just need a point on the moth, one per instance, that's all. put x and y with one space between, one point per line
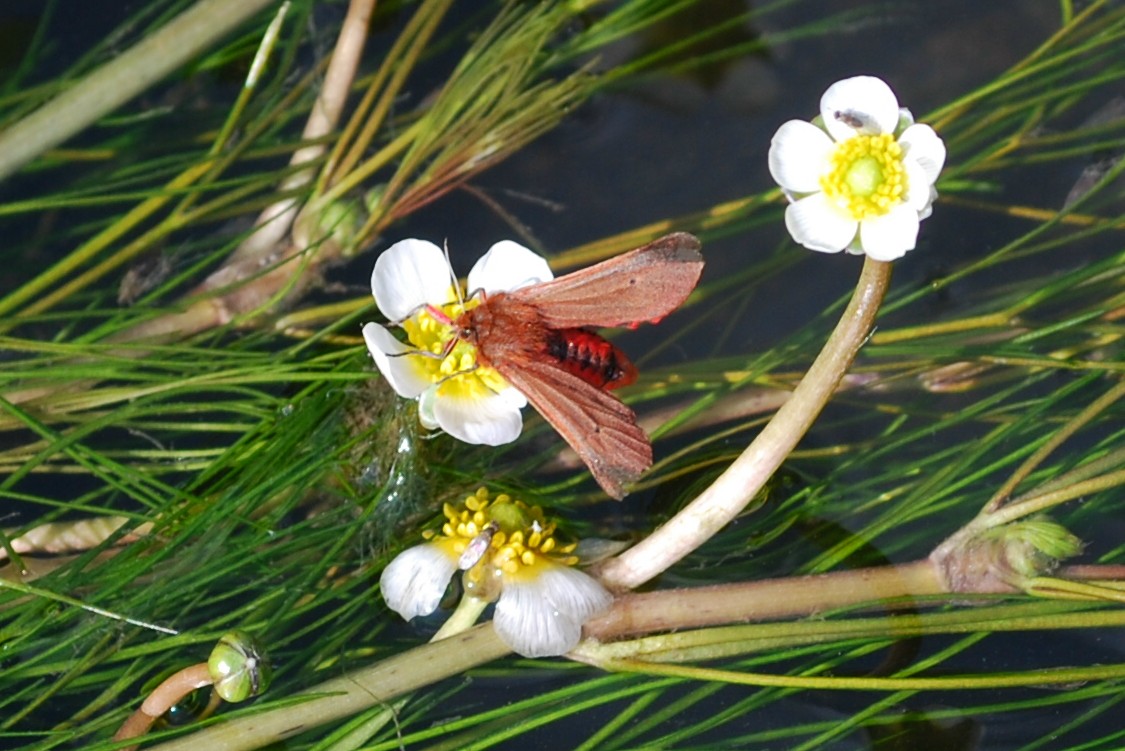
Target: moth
540 339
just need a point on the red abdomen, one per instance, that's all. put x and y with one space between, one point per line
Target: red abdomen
590 357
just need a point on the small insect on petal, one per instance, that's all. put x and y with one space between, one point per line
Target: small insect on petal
477 547
849 171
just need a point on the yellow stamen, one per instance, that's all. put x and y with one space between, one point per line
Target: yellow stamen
523 540
867 177
458 374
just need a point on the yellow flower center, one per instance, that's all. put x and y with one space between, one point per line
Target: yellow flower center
519 544
457 373
866 178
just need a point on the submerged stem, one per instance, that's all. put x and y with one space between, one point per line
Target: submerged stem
1039 503
1073 426
738 485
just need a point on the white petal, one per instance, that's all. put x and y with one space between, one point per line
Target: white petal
865 101
922 145
491 420
928 209
816 224
507 266
409 274
513 397
888 237
426 401
799 156
920 191
543 617
415 581
905 120
402 372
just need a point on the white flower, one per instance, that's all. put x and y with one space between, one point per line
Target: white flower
414 582
542 616
414 288
861 176
514 558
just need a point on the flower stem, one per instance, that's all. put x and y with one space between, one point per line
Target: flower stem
738 485
463 618
275 221
164 697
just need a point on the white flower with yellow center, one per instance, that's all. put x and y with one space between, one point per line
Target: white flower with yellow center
861 176
509 555
413 288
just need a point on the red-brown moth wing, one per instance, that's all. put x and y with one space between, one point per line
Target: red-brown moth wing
602 430
645 284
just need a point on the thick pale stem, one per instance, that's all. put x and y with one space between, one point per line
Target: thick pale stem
769 599
463 618
276 220
634 614
736 487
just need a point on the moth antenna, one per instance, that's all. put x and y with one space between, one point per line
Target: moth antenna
420 353
446 348
453 277
459 373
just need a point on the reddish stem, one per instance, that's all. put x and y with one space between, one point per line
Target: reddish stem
164 697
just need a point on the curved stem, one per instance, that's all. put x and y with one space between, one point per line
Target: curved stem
164 697
738 485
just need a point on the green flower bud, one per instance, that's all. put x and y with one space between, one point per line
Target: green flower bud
239 667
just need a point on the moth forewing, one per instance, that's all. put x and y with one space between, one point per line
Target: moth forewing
642 285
